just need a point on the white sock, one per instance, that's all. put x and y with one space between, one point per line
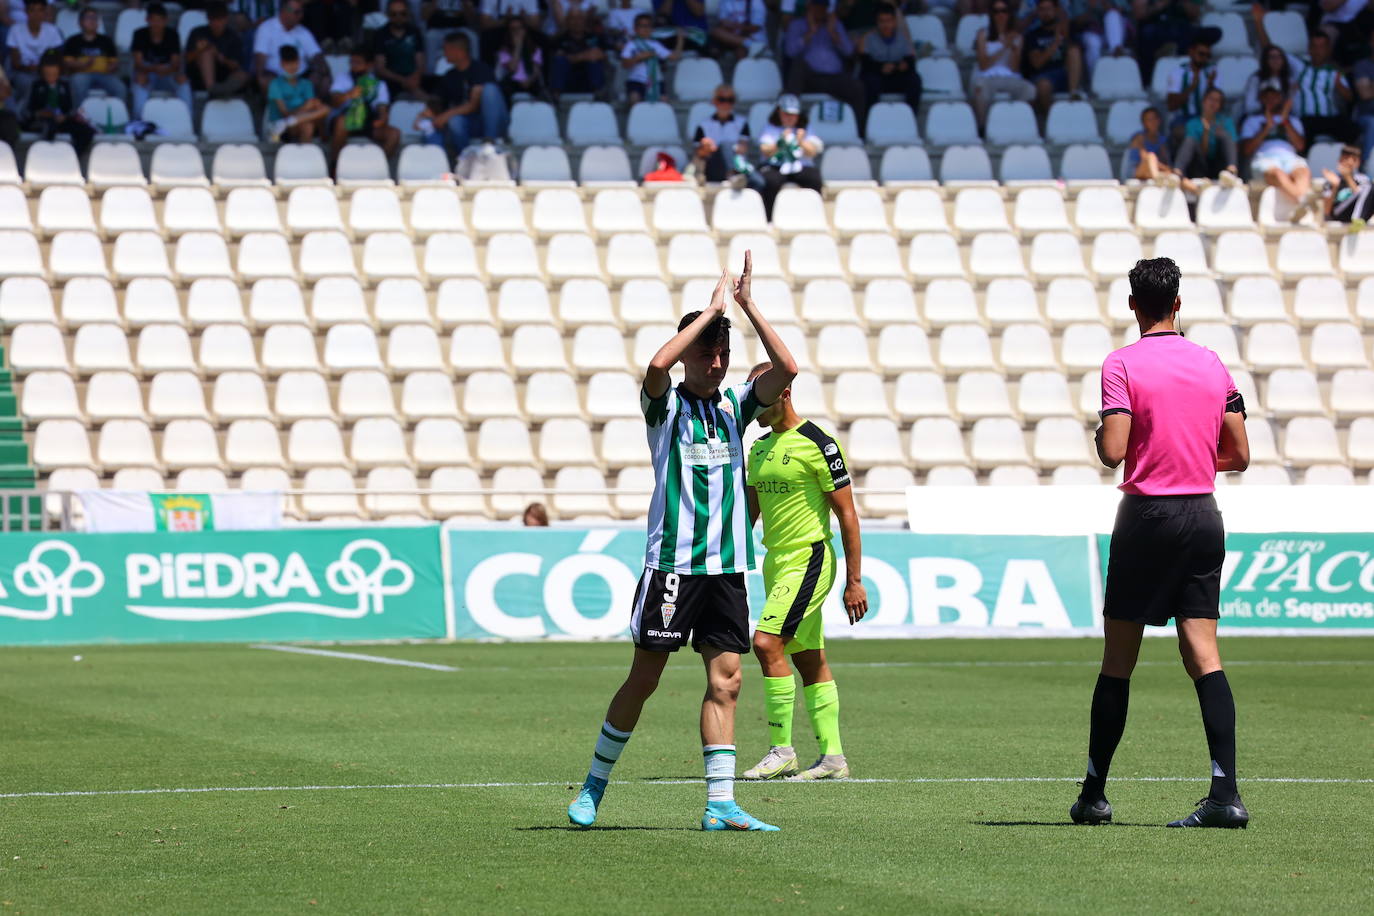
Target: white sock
609 744
720 772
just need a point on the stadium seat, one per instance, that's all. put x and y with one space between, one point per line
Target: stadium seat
1337 345
1009 122
497 210
873 255
1288 30
633 255
452 254
1083 347
1060 441
813 256
997 441
571 255
176 165
350 346
421 164
996 254
933 255
14 209
1328 475
860 394
1117 78
228 348
825 302
265 254
1220 209
164 347
503 442
1025 164
557 210
872 441
678 210
1238 254
950 301
884 491
937 441
113 165
99 346
551 394
227 121
1303 254
26 299
490 394
846 165
52 163
19 254
1098 210
428 394
604 165
446 505
1252 300
87 300
951 124
966 33
374 209
1056 254
59 207
964 164
238 396
598 348
1319 299
891 124
917 210
736 211
300 164
965 347
288 346
251 210
565 442
235 165
1010 300
79 254
1026 347
202 254
414 348
980 210
1071 122
190 443
889 301
1311 440
905 165
190 210
585 301
509 254
951 476
1357 255
61 443
1040 210
1202 298
1086 164
252 443
400 300
377 442
545 166
311 209
50 396
650 123
1161 209
1115 253
1185 249
114 395
523 301
1293 393
591 123
125 444
1219 337
981 394
1043 394
1013 475
920 394
315 443
362 164
382 484
327 495
616 211
434 210
1360 444
534 123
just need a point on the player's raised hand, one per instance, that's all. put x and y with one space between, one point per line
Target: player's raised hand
742 284
717 306
855 602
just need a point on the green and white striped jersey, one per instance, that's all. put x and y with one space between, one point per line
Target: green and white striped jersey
1315 89
699 515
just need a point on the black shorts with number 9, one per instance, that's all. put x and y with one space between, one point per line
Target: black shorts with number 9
672 608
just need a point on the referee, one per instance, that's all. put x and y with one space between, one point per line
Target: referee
1171 411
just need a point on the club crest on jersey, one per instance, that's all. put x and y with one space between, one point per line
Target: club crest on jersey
830 449
669 609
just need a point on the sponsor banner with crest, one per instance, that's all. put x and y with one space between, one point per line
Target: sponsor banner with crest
181 585
109 511
580 583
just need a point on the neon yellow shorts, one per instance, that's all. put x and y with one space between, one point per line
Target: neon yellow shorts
798 582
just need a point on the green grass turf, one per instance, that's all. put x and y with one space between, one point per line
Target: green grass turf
198 716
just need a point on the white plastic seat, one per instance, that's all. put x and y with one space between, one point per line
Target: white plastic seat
114 395
14 209
903 347
1239 253
300 164
1219 338
450 254
1273 345
1115 253
1060 441
873 255
362 164
905 165
462 301
689 255
414 348
1071 122
842 347
980 210
52 163
997 441
936 441
757 78
377 442
266 254
338 300
439 442
885 302
503 442
591 123
1338 346
572 255
229 348
827 302
1025 163
933 255
1011 122
326 495
235 165
445 505
289 346
598 348
860 394
400 300
532 123
551 394
251 210
996 254
91 300
190 443
61 443
981 394
1161 209
172 117
874 441
79 254
1086 164
124 444
190 210
1009 301
557 210
545 166
920 394
963 164
813 256
164 347
565 442
1117 78
535 347
1040 210
49 395
19 254
604 165
252 443
300 395
1319 299
388 254
612 395
950 301
113 165
314 443
1351 394
918 210
421 164
428 394
951 124
474 347
1293 393
1357 254
1311 440
202 254
435 210
1185 249
99 346
1254 299
497 210
239 395
1220 209
1026 347
374 209
1044 394
381 486
891 124
1083 347
61 208
180 165
1101 210
227 121
523 301
734 212
618 210
647 124
964 347
1288 30
351 346
583 301
511 254
1057 254
26 299
622 443
1303 254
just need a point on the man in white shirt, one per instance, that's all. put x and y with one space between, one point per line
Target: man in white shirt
26 44
739 26
286 29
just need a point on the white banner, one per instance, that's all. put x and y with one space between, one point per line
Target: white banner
109 511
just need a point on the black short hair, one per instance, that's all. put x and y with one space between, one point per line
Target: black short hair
289 53
1154 285
1149 108
51 58
458 38
641 17
885 9
216 9
29 3
715 334
156 9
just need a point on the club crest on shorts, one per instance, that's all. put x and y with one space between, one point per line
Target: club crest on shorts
669 609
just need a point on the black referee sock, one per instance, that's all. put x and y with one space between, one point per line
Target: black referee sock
1111 697
1219 721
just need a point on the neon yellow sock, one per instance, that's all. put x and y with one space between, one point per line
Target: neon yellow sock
823 706
779 694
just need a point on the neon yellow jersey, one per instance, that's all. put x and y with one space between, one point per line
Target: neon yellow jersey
791 473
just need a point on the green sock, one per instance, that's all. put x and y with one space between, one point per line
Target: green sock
823 706
779 693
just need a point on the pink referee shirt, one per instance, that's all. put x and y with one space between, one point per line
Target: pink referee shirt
1176 392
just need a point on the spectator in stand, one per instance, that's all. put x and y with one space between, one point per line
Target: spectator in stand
1275 141
157 61
642 57
720 141
1147 155
740 26
1321 94
214 54
1191 80
28 42
51 108
685 14
398 51
619 24
91 61
1159 23
1274 64
789 153
997 53
1348 197
447 15
293 111
469 104
819 48
1052 61
887 60
361 101
9 121
536 516
1209 145
1349 23
284 30
579 64
1363 78
493 22
519 62
1099 25
334 23
665 168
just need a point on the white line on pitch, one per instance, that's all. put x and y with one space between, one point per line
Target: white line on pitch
660 782
357 657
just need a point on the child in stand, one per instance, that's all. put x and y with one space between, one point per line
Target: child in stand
50 106
292 108
643 56
1148 152
361 102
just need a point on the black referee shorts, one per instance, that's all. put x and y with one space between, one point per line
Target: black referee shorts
1165 560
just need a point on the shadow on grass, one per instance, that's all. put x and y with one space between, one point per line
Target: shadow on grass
572 829
1056 824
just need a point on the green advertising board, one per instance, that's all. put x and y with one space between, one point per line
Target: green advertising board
321 583
580 583
1293 581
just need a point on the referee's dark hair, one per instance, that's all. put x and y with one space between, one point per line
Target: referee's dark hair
715 334
1154 286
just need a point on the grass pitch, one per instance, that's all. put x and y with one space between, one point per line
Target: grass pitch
525 716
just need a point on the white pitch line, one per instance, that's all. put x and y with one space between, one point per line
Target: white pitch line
357 657
918 780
